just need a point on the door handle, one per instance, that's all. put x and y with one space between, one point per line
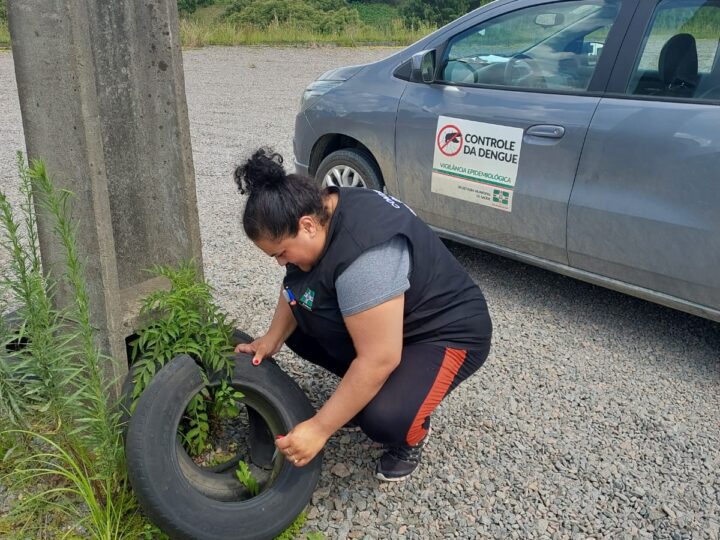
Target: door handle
547 131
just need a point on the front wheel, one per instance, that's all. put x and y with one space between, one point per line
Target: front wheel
351 167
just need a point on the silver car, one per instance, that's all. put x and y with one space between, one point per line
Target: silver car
579 136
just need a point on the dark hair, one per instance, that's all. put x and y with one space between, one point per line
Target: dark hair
276 200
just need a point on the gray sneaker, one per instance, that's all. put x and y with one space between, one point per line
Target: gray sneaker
399 462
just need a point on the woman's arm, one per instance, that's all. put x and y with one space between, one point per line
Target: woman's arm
378 338
377 334
283 324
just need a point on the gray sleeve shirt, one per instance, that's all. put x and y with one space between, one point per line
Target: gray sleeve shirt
376 276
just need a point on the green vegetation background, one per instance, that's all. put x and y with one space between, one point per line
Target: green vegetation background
306 22
342 22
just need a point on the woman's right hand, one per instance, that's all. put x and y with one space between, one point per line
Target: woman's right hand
260 348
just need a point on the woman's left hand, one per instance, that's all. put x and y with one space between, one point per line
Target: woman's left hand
303 443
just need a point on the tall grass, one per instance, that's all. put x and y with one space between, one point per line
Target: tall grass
4 34
109 510
201 32
61 446
61 439
204 28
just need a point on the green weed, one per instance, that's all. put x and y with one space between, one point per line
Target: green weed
197 433
294 529
185 320
246 478
225 404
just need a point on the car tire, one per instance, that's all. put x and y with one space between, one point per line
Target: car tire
174 503
351 167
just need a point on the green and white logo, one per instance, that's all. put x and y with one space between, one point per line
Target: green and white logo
307 299
501 197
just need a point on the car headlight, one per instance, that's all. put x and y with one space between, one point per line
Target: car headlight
316 89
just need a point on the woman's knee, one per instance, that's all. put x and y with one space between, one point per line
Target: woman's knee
384 424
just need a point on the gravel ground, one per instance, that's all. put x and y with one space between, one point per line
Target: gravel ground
596 415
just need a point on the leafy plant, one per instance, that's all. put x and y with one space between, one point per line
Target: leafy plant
222 403
225 402
185 320
151 532
198 432
246 478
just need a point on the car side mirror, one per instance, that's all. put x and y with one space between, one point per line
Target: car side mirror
423 67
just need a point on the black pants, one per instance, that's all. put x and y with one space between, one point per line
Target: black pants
400 412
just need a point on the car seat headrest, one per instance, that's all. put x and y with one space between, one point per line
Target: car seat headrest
678 62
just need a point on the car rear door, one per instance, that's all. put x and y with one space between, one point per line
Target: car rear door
490 150
645 209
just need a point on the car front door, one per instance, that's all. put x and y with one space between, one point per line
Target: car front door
490 149
645 209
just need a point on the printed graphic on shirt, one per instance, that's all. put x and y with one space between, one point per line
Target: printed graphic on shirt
307 299
476 161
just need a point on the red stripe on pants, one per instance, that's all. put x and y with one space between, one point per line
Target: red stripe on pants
451 363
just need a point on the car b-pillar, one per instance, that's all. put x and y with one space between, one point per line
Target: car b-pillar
102 97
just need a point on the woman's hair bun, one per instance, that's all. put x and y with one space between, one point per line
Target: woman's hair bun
264 170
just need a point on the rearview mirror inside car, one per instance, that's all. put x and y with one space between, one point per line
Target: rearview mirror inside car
549 19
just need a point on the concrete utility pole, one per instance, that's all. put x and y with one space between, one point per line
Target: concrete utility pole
102 96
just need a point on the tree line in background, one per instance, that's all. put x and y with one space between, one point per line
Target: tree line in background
436 12
331 15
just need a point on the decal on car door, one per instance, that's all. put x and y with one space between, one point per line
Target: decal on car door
476 162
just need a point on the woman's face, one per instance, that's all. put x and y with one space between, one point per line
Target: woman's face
303 250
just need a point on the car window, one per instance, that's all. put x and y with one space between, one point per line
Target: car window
554 46
679 56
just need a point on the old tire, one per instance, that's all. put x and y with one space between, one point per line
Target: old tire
172 500
218 482
351 167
